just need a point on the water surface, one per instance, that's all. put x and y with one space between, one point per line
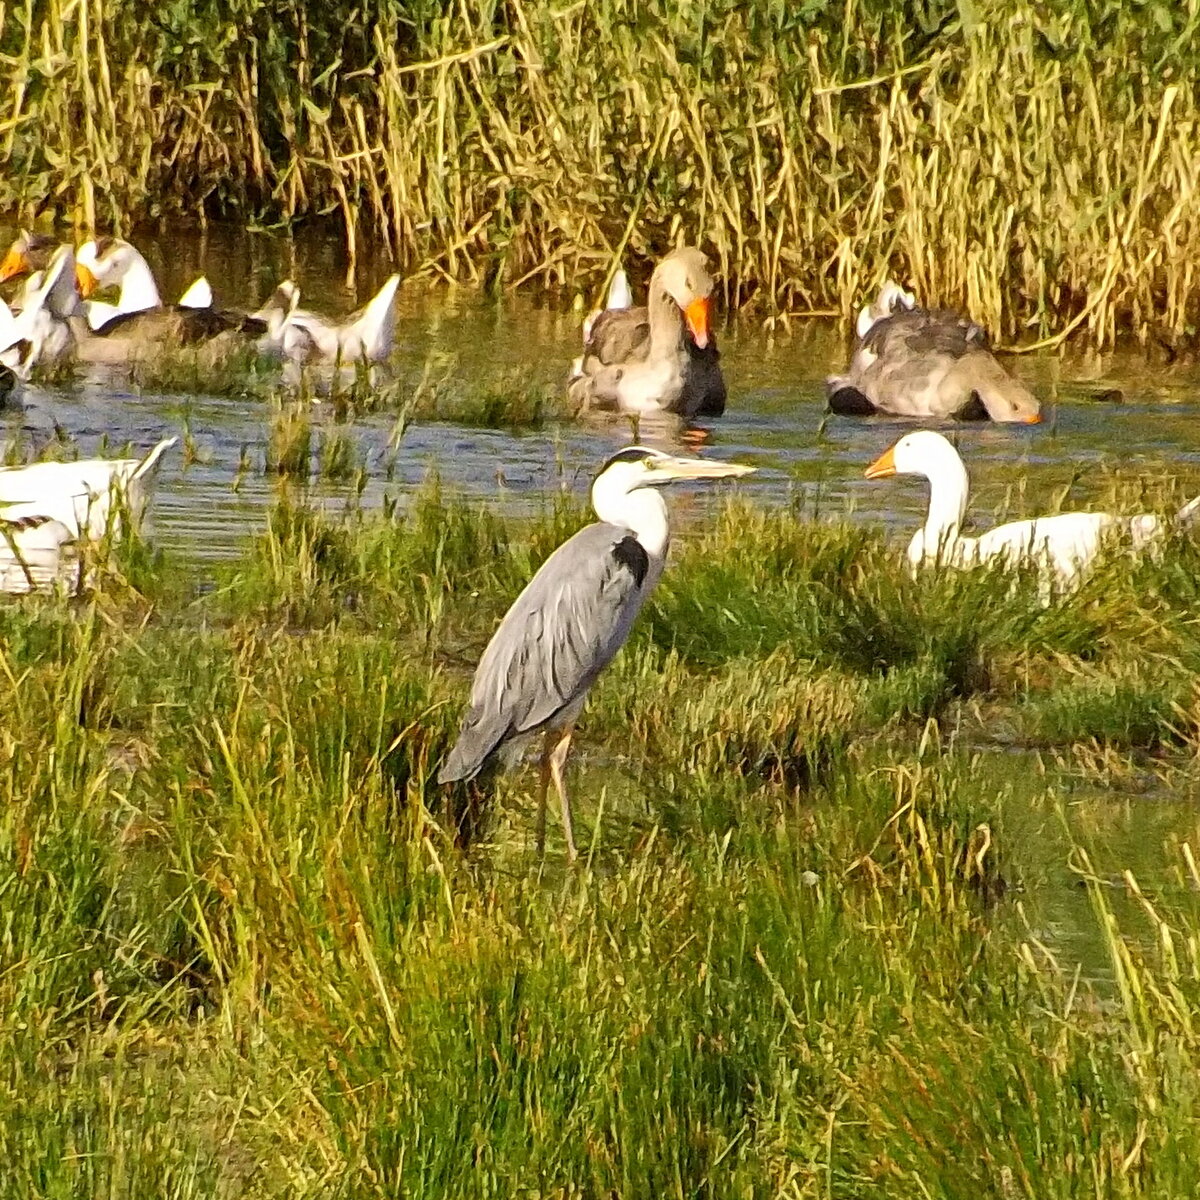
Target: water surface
208 509
775 418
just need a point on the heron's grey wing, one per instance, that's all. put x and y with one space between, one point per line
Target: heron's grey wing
560 633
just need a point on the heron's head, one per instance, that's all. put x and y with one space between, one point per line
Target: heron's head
104 261
642 467
29 252
921 453
684 276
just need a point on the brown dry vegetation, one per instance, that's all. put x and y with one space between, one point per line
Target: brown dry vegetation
1036 162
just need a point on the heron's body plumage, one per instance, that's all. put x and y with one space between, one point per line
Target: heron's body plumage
561 632
570 620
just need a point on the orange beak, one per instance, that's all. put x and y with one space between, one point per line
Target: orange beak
86 280
883 466
1036 419
14 264
696 316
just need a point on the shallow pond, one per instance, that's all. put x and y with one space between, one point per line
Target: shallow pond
775 416
207 509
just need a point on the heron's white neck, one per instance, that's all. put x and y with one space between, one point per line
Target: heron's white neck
138 289
948 490
642 510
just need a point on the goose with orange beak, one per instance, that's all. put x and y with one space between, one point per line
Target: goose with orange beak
928 363
661 358
1061 548
31 252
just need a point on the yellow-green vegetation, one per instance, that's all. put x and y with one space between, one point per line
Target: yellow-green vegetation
808 952
1034 161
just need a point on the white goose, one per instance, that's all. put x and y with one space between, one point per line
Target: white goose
40 332
47 508
305 336
104 261
86 497
1061 547
33 549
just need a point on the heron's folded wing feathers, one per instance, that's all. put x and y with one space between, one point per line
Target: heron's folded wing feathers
560 633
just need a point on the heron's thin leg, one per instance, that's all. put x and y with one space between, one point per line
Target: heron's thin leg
557 758
543 788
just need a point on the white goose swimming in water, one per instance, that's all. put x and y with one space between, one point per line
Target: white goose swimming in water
1062 547
366 335
47 508
120 264
87 496
930 363
141 321
33 550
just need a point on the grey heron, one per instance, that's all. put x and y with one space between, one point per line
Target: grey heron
569 622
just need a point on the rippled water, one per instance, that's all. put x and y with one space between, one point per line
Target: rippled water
775 416
775 420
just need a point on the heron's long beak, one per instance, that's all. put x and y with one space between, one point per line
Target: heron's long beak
674 469
86 280
883 466
696 316
14 264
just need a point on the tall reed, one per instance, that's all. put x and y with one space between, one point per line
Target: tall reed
1032 161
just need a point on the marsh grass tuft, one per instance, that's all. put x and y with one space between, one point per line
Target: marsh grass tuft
502 402
212 369
241 947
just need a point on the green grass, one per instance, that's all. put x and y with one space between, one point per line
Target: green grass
806 953
1029 161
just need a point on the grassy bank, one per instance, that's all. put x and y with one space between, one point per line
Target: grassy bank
240 955
1032 161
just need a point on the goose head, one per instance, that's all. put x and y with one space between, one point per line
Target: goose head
29 252
104 262
683 276
923 452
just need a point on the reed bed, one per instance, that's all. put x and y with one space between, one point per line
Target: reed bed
242 955
1034 162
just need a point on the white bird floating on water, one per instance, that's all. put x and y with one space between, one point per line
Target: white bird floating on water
48 508
569 622
1062 547
100 261
305 336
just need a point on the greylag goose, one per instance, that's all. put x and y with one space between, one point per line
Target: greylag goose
661 358
929 363
1061 547
619 296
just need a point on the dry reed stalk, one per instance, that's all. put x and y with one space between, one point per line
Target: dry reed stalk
1021 163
